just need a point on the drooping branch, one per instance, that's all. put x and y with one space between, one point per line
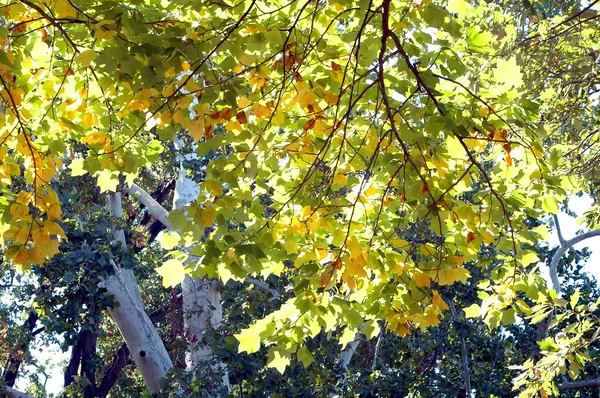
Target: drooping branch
562 250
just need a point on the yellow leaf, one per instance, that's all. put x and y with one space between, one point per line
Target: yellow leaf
330 98
169 240
90 119
355 269
439 302
22 258
64 9
340 179
197 128
421 279
172 272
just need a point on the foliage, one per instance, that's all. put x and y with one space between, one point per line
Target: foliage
367 157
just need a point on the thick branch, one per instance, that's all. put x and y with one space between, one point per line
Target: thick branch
561 251
154 208
574 385
157 211
12 393
122 357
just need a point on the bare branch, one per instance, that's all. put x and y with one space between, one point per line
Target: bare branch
561 251
17 394
574 385
560 236
154 208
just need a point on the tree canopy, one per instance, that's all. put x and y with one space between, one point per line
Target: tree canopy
369 166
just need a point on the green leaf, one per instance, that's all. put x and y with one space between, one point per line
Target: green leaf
305 356
473 311
249 341
86 57
172 271
550 204
278 359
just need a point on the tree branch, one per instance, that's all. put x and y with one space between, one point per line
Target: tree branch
154 208
157 211
561 251
464 356
574 385
17 394
561 239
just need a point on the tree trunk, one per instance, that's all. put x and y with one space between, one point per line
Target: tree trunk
146 346
202 308
16 357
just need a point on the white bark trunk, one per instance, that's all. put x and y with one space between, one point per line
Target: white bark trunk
17 394
146 346
116 211
202 308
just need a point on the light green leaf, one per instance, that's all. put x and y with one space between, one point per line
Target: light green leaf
76 167
304 356
508 73
347 336
169 240
473 311
550 204
249 341
107 181
529 258
278 360
172 272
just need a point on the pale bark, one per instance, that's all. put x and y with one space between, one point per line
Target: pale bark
564 246
202 308
116 212
12 393
146 346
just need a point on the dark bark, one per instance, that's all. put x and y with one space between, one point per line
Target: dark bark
73 366
121 359
16 356
88 353
574 385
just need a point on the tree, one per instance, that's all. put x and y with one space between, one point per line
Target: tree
362 156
